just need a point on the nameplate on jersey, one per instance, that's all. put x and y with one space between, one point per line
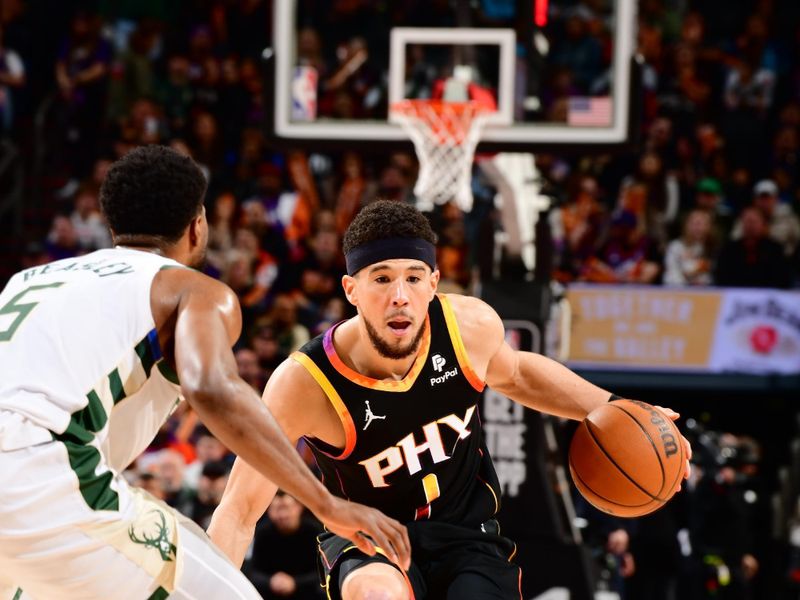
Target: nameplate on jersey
407 453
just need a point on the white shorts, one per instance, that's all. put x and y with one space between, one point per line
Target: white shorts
55 546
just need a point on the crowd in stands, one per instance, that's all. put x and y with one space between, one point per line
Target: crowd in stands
709 196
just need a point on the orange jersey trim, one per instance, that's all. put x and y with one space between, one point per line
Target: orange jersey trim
335 400
458 344
494 495
402 385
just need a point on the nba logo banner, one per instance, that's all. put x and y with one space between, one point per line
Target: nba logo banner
304 94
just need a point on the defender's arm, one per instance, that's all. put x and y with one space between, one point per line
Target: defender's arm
248 493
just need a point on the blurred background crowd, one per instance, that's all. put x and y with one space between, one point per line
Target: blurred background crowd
709 196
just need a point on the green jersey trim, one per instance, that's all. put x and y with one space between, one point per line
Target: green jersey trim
168 373
159 594
84 425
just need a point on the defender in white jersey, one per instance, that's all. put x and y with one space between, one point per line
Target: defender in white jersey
92 351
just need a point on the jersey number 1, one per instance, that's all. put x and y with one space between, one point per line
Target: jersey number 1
21 310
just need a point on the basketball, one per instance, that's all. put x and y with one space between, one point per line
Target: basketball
627 458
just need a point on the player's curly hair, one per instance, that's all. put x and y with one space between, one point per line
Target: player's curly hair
386 219
153 191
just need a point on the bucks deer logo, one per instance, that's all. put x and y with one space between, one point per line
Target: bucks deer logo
160 541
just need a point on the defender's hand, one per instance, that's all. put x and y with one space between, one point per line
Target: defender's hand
356 521
686 445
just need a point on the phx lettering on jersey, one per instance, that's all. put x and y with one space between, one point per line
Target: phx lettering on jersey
406 452
438 362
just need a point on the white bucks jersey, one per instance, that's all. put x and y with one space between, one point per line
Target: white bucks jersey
79 354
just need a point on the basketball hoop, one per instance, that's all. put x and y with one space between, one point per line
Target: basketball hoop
445 135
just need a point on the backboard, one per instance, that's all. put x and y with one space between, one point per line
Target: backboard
561 71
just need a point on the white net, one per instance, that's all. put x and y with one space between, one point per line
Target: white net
445 135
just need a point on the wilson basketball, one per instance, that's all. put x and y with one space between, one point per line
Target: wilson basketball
627 458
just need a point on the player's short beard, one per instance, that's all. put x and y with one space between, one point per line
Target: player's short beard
388 351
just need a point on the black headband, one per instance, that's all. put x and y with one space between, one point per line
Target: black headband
377 250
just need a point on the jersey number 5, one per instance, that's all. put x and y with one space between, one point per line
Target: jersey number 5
13 307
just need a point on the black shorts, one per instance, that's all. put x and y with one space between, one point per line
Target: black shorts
448 562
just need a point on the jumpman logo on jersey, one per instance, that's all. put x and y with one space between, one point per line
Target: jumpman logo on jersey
370 416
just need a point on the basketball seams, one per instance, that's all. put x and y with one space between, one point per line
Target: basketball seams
652 443
679 440
614 462
586 486
610 506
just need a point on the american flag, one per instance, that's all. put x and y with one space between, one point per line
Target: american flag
589 111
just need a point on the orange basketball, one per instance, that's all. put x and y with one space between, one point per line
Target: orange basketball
627 458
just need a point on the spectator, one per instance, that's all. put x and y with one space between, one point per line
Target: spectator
452 250
753 260
782 224
709 197
206 142
221 229
579 51
81 73
133 72
749 87
628 256
351 190
309 50
12 77
284 547
657 554
577 228
393 184
233 103
169 466
62 241
143 124
33 255
262 265
333 311
176 94
287 213
249 369
289 334
265 345
353 90
721 528
90 227
149 482
608 541
660 201
204 67
213 479
208 449
319 274
689 260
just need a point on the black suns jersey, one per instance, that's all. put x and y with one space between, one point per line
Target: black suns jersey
414 448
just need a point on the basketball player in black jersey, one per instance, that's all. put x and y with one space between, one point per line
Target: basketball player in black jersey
388 402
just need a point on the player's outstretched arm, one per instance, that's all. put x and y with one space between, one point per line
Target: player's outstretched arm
207 322
531 379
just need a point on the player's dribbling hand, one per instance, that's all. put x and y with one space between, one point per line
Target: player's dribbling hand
686 445
356 522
